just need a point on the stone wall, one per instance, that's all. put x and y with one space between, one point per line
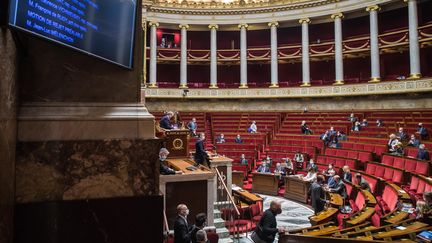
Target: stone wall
401 101
8 76
68 170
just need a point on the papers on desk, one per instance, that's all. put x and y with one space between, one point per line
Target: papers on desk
400 228
402 191
408 208
236 188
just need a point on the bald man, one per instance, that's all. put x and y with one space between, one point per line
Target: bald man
266 229
182 230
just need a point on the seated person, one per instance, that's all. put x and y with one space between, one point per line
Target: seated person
346 175
424 208
339 188
392 143
341 136
165 170
253 128
165 121
192 126
413 142
238 139
334 142
288 165
312 165
305 129
401 134
364 185
364 123
331 183
379 123
220 139
422 131
398 149
279 169
310 176
263 168
353 121
329 170
332 132
269 160
422 153
243 160
325 137
357 126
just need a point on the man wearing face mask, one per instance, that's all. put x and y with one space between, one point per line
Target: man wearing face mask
165 170
182 230
266 229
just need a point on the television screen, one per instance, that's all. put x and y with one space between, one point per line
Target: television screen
102 28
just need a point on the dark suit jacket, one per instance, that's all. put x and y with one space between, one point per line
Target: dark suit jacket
263 169
165 123
182 231
268 225
317 197
165 170
200 153
340 189
423 154
237 140
347 177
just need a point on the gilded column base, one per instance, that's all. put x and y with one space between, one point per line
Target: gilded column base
183 86
415 76
274 86
305 85
243 86
213 86
338 82
375 80
152 85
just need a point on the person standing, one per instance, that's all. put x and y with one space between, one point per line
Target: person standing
200 223
192 126
182 230
200 153
317 194
266 229
422 153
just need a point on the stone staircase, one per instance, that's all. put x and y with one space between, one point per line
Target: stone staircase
219 223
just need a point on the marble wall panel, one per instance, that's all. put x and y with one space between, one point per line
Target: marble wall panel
67 170
8 76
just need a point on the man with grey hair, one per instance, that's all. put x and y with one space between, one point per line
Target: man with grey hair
266 229
165 170
182 230
422 153
165 121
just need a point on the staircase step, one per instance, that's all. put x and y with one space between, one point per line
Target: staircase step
222 232
216 213
219 223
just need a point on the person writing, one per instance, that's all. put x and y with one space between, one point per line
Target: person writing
165 121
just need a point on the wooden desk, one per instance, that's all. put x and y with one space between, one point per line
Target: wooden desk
360 217
397 232
396 217
336 199
402 194
324 231
194 188
265 183
237 178
182 164
296 189
370 198
247 197
324 216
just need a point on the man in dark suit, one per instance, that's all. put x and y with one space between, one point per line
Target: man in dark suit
165 121
339 188
182 230
422 131
317 195
401 134
267 227
263 168
422 153
200 153
238 139
165 170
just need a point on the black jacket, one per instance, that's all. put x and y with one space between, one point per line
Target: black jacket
182 231
165 170
347 177
340 189
317 197
165 123
423 154
266 229
200 153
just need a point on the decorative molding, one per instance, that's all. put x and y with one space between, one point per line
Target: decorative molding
151 24
181 26
373 8
337 15
379 88
243 26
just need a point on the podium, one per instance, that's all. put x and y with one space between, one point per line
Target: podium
296 189
177 143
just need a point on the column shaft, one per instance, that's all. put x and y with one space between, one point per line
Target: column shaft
274 55
243 56
183 57
374 48
339 72
305 52
213 56
153 55
413 40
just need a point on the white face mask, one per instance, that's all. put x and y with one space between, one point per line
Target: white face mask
162 158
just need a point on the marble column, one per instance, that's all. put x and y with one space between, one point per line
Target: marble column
183 56
339 79
374 48
243 56
305 51
153 55
213 56
274 55
413 39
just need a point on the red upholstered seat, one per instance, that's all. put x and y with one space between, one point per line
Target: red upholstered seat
388 174
379 171
352 154
422 168
364 156
213 237
331 151
410 165
370 169
342 153
376 220
239 226
414 183
421 187
255 212
348 188
387 160
399 163
397 176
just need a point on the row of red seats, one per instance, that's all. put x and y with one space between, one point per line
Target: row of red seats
417 186
386 172
362 156
243 223
412 165
311 151
378 149
338 162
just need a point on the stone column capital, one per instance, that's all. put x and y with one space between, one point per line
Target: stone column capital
274 23
373 8
337 15
186 26
213 26
243 26
305 20
151 24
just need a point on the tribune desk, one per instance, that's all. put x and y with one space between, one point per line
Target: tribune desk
245 196
224 165
296 189
194 188
265 183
